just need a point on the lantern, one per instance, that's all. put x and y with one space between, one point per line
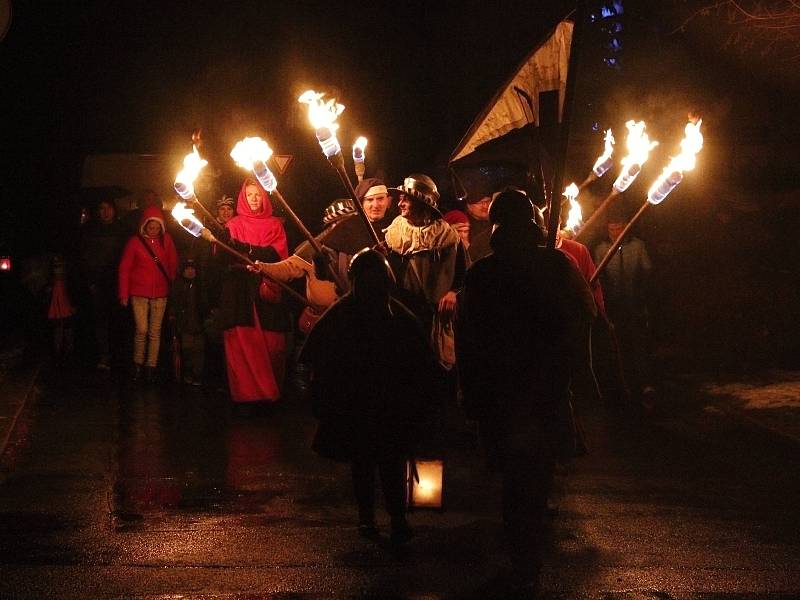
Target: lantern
425 487
5 263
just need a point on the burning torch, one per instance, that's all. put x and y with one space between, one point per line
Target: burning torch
639 147
322 115
184 185
252 153
184 180
669 179
603 163
359 155
574 218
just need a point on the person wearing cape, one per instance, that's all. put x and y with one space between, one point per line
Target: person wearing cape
251 313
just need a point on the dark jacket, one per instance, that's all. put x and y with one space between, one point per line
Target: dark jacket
101 248
519 322
376 385
188 305
240 289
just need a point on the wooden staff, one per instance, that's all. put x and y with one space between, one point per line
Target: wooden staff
337 276
337 161
599 211
616 245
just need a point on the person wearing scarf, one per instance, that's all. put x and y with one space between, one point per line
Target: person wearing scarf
252 316
428 260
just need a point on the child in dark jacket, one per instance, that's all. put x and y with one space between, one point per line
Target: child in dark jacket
187 313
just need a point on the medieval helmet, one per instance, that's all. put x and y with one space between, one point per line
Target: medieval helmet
422 188
338 210
372 262
511 207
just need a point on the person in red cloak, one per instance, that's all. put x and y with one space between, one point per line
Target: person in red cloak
252 315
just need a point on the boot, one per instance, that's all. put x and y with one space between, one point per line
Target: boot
150 374
136 375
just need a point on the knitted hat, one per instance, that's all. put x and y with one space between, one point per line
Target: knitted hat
225 201
456 217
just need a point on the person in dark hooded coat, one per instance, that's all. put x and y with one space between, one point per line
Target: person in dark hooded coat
519 321
374 386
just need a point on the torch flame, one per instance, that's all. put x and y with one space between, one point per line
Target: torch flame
250 150
608 150
182 214
691 144
321 114
192 165
575 217
672 175
361 143
638 143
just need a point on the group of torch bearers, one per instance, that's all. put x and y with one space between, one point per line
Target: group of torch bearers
410 268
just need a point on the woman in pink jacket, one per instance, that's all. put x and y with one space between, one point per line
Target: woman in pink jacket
147 268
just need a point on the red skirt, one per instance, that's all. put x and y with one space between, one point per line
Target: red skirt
256 361
60 305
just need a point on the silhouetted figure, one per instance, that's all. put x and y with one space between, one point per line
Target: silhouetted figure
375 384
520 318
625 280
101 247
187 308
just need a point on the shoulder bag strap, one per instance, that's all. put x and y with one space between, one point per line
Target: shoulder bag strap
155 258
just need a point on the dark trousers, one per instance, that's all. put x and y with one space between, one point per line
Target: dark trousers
527 479
392 473
520 448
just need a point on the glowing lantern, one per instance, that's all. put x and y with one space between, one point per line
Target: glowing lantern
428 490
5 263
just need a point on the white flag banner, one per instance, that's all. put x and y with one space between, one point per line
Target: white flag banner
544 70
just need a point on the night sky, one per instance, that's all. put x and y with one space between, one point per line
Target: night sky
137 77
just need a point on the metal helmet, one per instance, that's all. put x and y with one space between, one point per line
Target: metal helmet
422 188
372 262
338 210
511 207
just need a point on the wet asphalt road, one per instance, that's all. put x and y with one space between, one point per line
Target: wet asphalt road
110 490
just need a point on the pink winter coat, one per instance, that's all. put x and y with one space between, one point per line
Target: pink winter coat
139 274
